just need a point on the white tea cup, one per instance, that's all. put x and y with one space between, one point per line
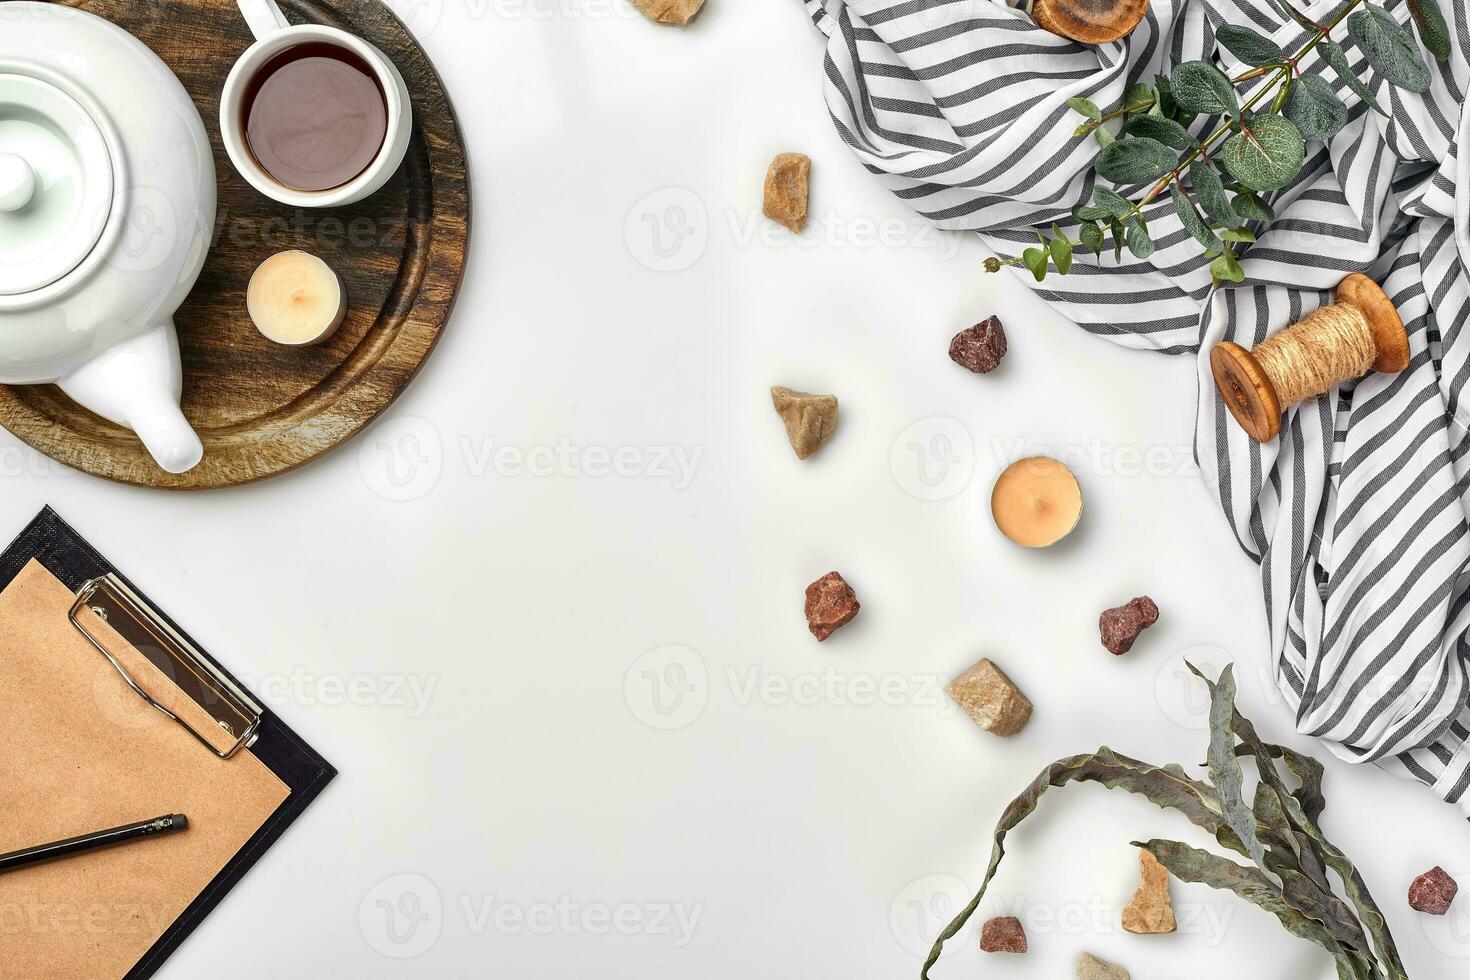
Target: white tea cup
274 35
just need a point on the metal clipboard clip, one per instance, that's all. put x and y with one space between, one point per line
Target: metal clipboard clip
236 713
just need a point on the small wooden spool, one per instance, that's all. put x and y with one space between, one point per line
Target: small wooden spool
1251 395
1089 21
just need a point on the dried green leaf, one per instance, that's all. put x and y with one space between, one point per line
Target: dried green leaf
1133 161
1434 33
1191 219
1210 190
1087 107
1314 108
1266 154
1337 58
1389 47
1224 767
1165 131
1251 47
1201 87
1167 787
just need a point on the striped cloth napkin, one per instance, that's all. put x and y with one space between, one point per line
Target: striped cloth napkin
1357 514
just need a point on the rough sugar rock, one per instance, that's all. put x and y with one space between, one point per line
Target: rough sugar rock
1089 967
1003 935
1150 913
1433 892
989 697
830 605
788 188
810 419
1121 626
979 348
674 12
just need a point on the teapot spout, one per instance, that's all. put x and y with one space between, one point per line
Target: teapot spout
138 384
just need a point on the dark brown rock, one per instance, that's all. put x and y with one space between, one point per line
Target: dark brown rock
830 605
979 348
1003 935
1433 892
1121 626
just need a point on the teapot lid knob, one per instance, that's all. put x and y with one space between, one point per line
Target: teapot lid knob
17 182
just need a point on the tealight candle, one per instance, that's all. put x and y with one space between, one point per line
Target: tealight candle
296 299
1036 502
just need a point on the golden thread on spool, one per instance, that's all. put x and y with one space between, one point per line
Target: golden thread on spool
1359 332
1332 345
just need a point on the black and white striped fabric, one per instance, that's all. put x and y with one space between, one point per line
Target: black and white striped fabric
1357 514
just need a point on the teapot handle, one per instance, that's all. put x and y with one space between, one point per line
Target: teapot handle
264 17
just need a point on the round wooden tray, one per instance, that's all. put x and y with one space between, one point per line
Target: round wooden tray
261 409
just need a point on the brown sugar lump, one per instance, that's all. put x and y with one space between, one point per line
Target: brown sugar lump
810 419
990 699
830 605
979 348
1150 913
1120 626
675 13
1433 892
788 190
1003 934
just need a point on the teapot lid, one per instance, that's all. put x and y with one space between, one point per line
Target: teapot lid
56 184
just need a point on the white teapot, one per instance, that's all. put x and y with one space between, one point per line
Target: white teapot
107 205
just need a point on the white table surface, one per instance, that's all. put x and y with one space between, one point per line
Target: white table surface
475 610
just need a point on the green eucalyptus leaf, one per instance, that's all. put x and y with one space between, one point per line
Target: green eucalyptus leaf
1089 212
1061 251
1167 105
1133 161
1226 268
1210 190
1114 203
1237 235
1087 107
1139 97
1138 241
1104 137
1036 260
1165 131
1251 47
1166 787
1191 219
1389 47
1314 108
1092 238
1266 154
1120 234
1252 208
1201 87
1337 58
1433 31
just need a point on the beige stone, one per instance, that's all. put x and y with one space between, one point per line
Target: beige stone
989 697
673 12
788 190
810 419
1150 913
1089 967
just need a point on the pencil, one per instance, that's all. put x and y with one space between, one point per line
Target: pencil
90 842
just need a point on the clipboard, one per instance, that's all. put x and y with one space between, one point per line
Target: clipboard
225 720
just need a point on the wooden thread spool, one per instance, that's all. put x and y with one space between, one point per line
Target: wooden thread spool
1089 21
1336 343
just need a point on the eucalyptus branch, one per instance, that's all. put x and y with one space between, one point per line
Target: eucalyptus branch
1257 150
